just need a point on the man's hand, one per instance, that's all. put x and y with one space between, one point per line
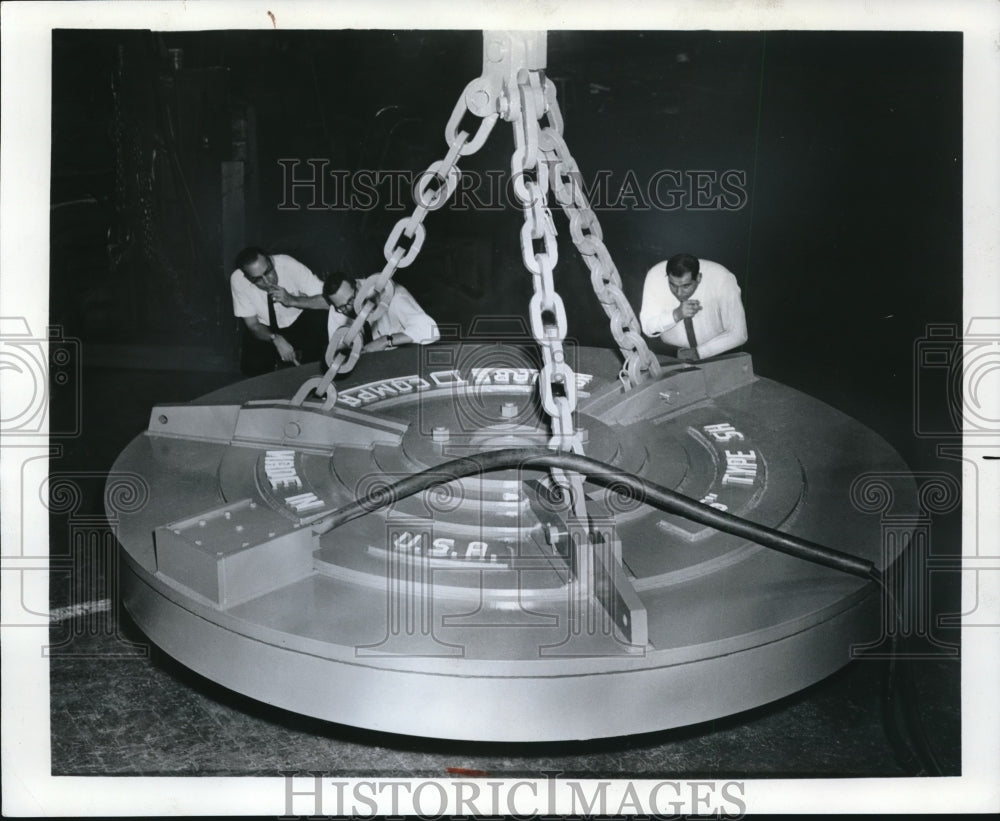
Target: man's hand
285 350
687 354
687 309
280 295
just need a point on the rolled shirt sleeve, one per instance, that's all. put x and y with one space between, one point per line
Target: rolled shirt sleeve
293 276
244 304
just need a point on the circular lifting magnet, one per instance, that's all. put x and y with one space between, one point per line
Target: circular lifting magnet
478 609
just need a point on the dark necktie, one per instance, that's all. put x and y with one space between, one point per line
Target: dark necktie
689 328
272 318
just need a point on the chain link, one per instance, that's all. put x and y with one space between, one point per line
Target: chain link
433 189
585 230
547 313
541 161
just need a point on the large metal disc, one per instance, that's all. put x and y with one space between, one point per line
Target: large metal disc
454 613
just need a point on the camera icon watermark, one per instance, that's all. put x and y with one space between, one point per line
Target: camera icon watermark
954 377
41 381
85 569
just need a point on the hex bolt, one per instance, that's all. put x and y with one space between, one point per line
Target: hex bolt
508 410
440 434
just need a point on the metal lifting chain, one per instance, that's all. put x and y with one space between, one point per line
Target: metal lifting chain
556 380
539 154
433 189
585 230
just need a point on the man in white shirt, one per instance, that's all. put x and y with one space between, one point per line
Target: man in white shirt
699 328
281 304
403 323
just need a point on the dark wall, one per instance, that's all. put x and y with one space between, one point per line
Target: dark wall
856 238
841 220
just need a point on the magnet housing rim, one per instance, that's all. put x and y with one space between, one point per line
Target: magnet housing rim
322 629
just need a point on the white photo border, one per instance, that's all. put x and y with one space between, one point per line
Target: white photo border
26 31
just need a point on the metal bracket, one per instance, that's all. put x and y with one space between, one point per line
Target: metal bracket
505 53
596 563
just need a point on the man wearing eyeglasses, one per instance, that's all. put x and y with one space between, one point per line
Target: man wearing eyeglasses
281 303
403 323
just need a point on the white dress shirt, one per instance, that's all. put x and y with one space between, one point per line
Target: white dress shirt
719 326
404 316
293 276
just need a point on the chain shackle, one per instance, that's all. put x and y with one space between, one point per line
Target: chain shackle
475 100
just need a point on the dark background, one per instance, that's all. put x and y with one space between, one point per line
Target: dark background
847 243
846 240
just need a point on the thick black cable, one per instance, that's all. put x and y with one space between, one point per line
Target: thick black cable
916 757
608 476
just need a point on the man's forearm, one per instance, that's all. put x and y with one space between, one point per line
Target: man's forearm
261 332
389 341
314 302
721 343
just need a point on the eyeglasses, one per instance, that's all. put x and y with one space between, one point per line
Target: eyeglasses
347 309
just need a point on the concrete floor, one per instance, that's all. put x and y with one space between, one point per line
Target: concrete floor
121 707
